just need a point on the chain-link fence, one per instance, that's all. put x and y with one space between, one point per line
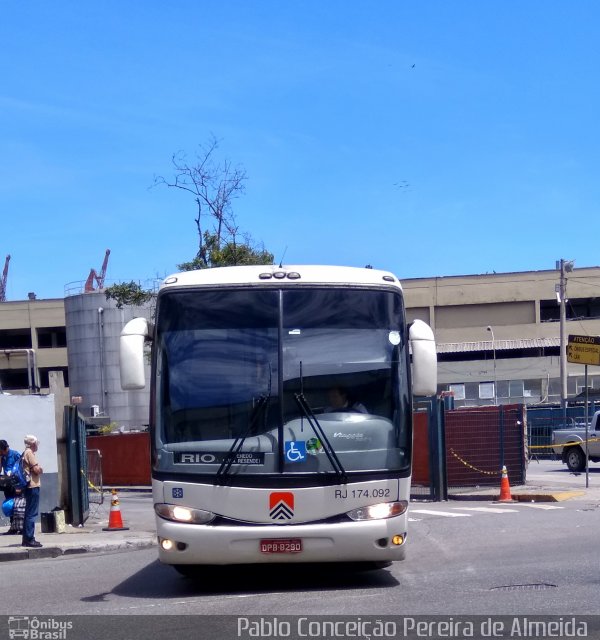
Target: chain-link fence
480 441
94 476
472 446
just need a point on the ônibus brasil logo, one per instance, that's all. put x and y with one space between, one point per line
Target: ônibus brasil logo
36 628
281 505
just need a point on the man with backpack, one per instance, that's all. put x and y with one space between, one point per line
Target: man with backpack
32 491
8 458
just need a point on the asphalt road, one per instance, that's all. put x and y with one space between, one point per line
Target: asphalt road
464 558
471 557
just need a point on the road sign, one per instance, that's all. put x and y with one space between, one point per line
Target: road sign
583 350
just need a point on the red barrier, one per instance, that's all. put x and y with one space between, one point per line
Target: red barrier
420 469
125 458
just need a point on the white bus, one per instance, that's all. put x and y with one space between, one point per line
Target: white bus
281 413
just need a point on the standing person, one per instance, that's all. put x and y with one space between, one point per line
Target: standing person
32 491
8 458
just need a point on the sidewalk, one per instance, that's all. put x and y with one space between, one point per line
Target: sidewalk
546 481
137 515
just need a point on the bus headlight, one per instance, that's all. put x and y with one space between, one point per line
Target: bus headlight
379 511
178 513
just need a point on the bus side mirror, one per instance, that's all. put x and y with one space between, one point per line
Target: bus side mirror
131 354
424 359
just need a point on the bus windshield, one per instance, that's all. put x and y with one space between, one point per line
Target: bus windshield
281 381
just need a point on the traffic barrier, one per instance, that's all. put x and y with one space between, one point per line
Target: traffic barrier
115 522
505 487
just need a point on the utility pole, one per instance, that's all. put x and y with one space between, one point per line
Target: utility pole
565 266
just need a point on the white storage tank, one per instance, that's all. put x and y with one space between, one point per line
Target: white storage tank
93 326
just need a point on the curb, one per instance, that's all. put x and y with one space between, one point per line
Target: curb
56 551
553 496
127 489
534 496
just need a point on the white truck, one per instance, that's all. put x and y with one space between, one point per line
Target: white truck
570 444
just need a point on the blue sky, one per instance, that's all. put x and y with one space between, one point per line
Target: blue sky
428 138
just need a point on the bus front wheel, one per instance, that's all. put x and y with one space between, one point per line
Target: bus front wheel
188 570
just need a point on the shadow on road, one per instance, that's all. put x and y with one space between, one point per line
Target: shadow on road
160 581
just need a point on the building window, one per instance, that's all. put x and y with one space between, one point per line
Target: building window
593 384
549 311
486 390
471 391
532 389
52 337
554 388
458 391
516 389
14 379
576 308
502 388
15 339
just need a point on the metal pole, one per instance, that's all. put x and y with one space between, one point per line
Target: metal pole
494 356
495 376
563 342
501 412
587 432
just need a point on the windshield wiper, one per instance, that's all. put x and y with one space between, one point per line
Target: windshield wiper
231 455
302 402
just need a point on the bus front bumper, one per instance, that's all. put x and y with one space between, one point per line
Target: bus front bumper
371 541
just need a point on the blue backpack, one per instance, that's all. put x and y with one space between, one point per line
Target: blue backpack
20 477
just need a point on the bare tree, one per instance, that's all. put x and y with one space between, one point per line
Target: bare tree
214 186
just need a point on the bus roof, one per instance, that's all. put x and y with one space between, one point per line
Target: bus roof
264 274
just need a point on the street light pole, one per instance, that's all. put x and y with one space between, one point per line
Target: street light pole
565 266
494 351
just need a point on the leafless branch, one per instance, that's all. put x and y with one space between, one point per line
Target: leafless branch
213 186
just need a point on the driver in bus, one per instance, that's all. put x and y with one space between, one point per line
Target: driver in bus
340 401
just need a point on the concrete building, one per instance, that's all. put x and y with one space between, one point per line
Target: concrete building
33 342
516 360
498 334
33 349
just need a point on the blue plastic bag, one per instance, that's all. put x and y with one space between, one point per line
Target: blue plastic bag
8 507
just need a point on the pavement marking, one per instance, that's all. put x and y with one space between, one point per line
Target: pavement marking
444 514
489 509
498 509
532 505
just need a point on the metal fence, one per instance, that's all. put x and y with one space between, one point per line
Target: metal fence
543 421
77 497
539 436
479 442
94 476
467 447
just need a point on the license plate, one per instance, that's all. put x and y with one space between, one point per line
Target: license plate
280 545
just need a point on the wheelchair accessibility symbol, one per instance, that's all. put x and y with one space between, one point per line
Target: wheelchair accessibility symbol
295 451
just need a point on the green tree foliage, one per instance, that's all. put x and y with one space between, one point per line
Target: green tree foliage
230 252
128 293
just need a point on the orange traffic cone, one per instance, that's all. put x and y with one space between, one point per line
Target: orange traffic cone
115 522
505 487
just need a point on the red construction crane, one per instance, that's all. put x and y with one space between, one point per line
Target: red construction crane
3 280
99 278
